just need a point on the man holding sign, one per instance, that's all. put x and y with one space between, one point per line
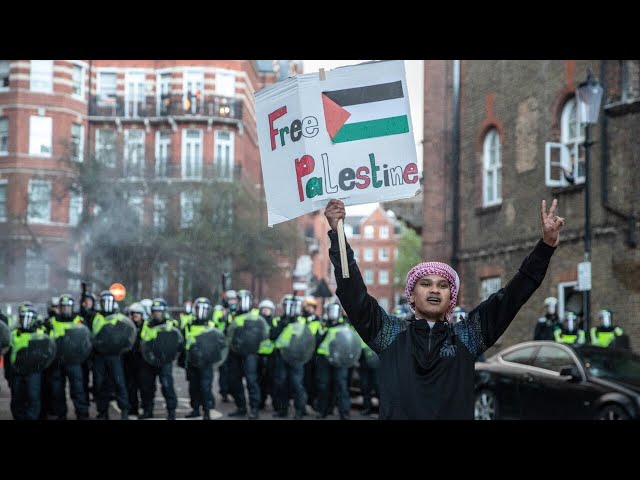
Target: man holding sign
427 364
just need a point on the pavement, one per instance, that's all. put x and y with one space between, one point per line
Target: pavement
220 412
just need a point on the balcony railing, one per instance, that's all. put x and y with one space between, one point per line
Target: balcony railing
164 169
189 105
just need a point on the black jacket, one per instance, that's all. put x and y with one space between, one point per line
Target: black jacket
428 373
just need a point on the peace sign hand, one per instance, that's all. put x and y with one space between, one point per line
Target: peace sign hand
551 224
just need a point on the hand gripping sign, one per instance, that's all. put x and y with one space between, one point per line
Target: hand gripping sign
345 134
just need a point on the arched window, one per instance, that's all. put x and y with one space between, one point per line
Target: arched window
572 137
491 169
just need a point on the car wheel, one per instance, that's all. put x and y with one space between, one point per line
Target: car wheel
613 412
486 405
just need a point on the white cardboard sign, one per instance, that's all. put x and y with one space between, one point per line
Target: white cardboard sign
349 136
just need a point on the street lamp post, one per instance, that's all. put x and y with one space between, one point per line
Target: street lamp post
589 96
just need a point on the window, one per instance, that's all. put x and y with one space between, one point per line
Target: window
106 147
368 231
383 254
74 264
107 88
40 132
185 280
569 299
134 103
553 358
225 84
368 254
42 76
348 230
224 154
489 286
163 147
521 355
384 303
77 80
136 204
164 93
4 74
160 279
192 91
384 231
133 153
564 161
77 144
491 169
383 277
356 253
191 153
39 210
4 135
395 253
159 212
3 201
368 277
75 208
36 271
189 205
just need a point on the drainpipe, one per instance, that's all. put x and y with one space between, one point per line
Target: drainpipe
455 157
632 240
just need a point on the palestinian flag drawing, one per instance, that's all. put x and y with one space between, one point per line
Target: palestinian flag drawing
365 112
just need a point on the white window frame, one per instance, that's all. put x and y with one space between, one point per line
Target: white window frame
136 207
192 169
160 84
491 150
562 286
488 287
34 261
160 280
74 265
102 99
111 148
348 230
222 86
192 199
368 255
558 155
383 254
75 207
132 169
44 70
37 142
80 143
224 154
368 277
160 212
368 231
195 77
163 151
134 97
8 77
5 135
383 277
40 219
4 186
356 252
82 80
383 232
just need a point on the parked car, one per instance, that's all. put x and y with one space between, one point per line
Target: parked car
548 380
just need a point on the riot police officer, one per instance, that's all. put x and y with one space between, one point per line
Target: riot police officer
607 333
569 331
230 305
547 324
149 373
266 359
133 363
60 372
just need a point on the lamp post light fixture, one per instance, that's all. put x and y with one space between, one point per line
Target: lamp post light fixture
589 97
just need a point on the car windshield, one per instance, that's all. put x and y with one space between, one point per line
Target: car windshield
612 364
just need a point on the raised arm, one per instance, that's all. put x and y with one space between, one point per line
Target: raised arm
488 321
372 323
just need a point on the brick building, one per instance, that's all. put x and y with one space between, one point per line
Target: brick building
171 122
518 126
